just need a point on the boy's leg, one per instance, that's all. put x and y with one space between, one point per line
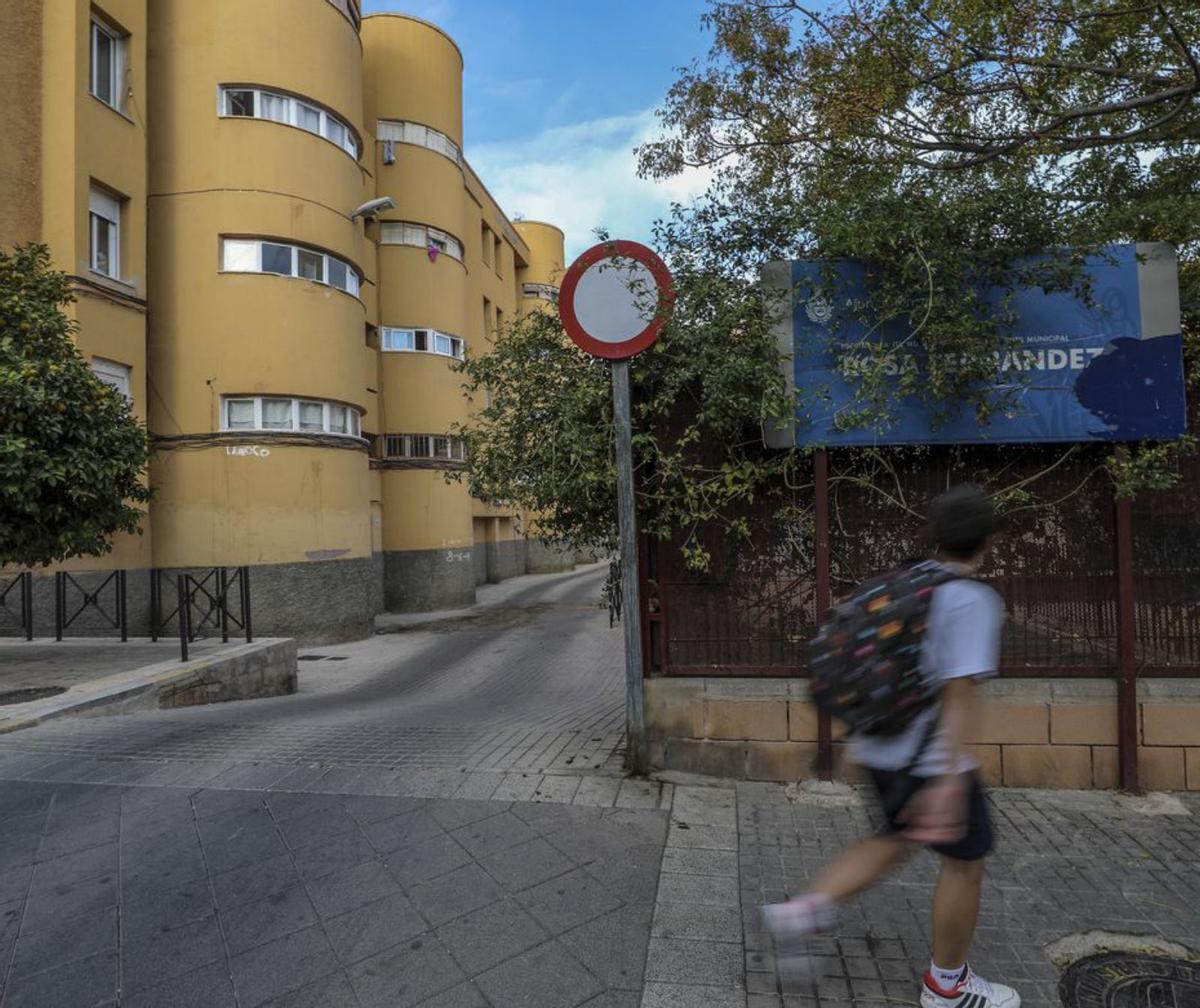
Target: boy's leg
860 867
955 910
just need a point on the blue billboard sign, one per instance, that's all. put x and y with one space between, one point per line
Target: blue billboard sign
1111 370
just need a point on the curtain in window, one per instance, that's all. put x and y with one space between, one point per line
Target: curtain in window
277 412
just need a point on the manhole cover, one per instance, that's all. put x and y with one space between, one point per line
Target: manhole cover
1131 980
25 695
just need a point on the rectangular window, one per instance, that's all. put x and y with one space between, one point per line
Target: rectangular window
239 414
240 256
486 245
114 374
274 107
337 419
441 344
415 133
277 413
108 69
105 225
351 282
337 273
398 339
459 447
312 416
441 447
335 131
308 118
419 445
276 258
498 257
310 265
239 103
456 348
420 339
355 423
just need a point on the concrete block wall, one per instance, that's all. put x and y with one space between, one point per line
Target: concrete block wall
1032 733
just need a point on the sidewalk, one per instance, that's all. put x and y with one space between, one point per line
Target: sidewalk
337 887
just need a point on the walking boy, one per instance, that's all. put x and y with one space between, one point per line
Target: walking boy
926 777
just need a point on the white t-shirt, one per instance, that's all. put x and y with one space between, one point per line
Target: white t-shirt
962 640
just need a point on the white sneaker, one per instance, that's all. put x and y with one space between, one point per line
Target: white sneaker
971 991
790 926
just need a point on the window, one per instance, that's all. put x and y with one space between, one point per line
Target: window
310 265
277 413
277 258
250 255
312 416
105 222
114 374
239 103
498 256
259 103
423 340
544 292
487 246
108 65
420 235
240 414
425 446
400 131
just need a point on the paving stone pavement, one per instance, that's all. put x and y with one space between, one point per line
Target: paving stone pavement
1066 863
440 820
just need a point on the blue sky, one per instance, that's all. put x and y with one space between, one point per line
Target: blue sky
557 94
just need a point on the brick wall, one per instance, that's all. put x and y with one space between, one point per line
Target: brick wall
1033 733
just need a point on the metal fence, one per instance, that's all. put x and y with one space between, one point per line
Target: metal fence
1055 566
1095 586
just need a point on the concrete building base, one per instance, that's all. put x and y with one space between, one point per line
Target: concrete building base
423 580
542 557
317 602
1038 733
505 559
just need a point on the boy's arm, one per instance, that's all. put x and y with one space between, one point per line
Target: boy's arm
937 813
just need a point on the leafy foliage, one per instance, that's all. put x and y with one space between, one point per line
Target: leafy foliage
543 441
945 143
71 455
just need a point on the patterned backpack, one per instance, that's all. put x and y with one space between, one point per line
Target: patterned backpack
865 664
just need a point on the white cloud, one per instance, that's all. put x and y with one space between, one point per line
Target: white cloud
584 176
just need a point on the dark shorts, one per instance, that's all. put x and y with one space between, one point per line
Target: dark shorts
979 840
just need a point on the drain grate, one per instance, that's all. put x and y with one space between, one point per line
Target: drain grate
33 693
320 657
1131 980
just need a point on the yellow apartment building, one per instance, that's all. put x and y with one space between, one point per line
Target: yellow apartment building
280 255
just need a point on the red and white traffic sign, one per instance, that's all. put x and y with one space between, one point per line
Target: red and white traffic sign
615 299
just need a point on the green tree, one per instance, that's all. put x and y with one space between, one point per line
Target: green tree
71 454
543 440
945 143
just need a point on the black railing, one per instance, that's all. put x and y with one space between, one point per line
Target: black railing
202 603
20 614
66 612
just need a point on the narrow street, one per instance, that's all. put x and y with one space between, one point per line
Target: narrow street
331 848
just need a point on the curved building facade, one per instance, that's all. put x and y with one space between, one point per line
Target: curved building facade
294 352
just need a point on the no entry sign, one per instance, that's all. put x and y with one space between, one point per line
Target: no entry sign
615 299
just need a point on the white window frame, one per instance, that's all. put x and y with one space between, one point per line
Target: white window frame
114 374
420 236
391 339
104 206
418 135
352 415
541 291
253 257
292 104
116 67
425 446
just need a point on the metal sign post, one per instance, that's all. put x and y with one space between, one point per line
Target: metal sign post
614 301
